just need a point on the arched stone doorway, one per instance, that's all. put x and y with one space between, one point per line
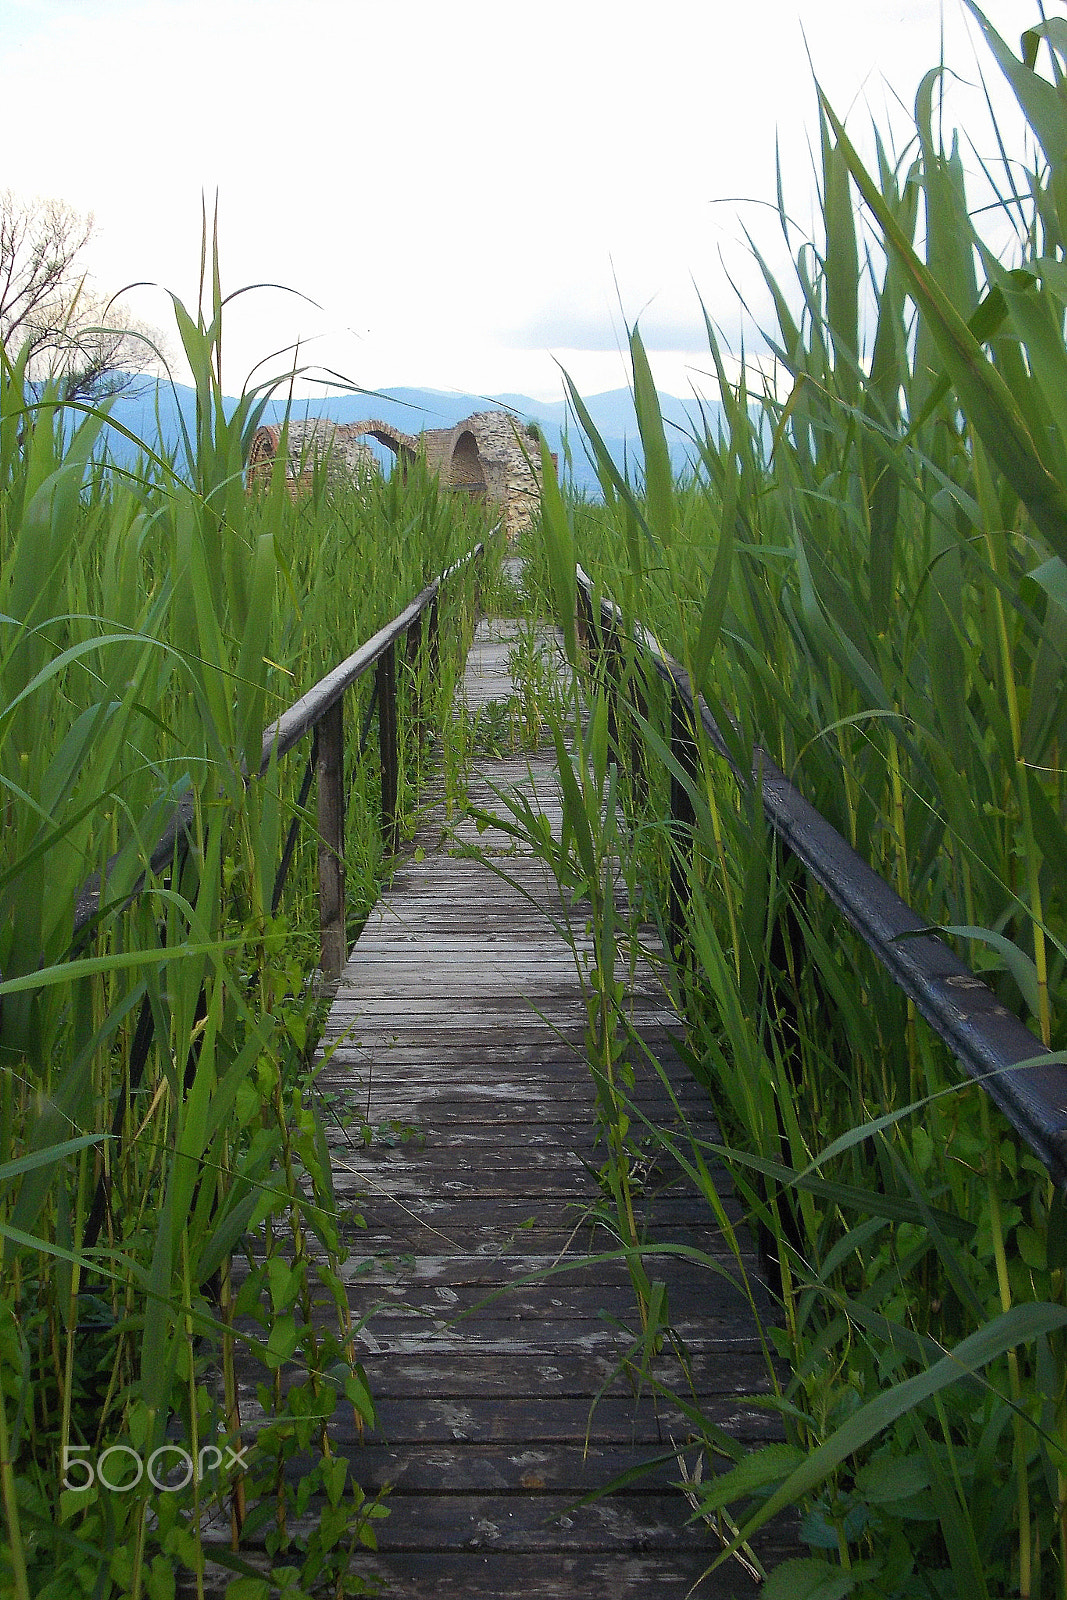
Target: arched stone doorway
465 470
402 445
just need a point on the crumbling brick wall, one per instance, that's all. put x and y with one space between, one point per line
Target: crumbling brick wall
489 454
510 461
343 450
317 440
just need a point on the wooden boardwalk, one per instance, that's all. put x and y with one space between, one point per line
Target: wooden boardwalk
504 1365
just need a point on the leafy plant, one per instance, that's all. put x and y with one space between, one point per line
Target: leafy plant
864 575
156 1113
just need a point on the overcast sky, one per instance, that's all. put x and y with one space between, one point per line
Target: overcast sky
470 191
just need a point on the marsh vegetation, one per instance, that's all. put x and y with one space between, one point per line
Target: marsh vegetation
865 574
157 1104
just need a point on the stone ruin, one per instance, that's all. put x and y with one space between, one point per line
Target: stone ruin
340 447
488 456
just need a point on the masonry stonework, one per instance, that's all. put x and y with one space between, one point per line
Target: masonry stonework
488 455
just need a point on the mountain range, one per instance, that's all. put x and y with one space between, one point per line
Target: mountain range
157 413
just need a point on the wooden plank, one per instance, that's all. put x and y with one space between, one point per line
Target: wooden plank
532 1346
411 1032
417 1224
675 1213
474 1069
446 1098
616 1420
494 1139
490 1268
494 1318
479 1574
533 1523
632 1575
482 1095
445 1305
485 1379
571 1469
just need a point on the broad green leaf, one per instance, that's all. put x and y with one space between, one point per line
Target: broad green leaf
755 1470
806 1578
1012 1328
888 1478
1052 576
659 477
983 393
1020 966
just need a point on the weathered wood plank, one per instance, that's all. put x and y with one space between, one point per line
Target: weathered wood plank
538 1337
474 1376
476 1574
616 1420
527 1217
483 1104
571 1469
465 1308
634 1575
493 1313
533 1523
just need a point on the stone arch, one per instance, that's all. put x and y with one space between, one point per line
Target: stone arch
319 436
465 468
261 455
403 446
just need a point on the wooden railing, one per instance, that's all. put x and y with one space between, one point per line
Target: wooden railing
319 712
1027 1081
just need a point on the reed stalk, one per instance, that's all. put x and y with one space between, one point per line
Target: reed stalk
151 624
867 575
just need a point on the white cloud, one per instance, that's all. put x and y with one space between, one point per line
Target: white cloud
456 182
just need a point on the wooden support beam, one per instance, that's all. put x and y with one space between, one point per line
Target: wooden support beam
390 750
330 795
684 751
414 662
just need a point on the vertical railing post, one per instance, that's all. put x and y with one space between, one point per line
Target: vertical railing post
390 750
612 683
330 798
638 773
684 751
433 641
476 564
414 651
583 619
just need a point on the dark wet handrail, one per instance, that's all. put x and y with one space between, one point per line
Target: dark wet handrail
1027 1081
284 733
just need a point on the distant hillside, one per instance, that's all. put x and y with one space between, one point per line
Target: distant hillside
412 410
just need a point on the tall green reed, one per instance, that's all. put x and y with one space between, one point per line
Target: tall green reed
150 626
866 575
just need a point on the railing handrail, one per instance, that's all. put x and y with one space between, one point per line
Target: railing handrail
1022 1076
321 709
288 729
285 731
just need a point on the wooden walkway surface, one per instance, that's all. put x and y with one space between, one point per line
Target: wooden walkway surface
456 1036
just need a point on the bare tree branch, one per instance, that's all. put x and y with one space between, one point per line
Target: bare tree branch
88 347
